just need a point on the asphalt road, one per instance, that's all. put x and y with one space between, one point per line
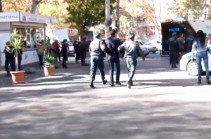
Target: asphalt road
165 103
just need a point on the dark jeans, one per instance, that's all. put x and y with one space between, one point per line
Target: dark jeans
114 61
9 61
83 57
64 59
77 56
96 62
131 65
59 55
19 61
41 60
199 56
170 57
175 56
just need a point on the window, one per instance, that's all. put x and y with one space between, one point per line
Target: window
30 36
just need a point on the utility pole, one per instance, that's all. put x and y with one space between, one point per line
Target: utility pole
117 15
108 17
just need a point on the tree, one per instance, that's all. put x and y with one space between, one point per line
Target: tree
1 10
191 9
16 5
21 5
34 5
56 9
85 13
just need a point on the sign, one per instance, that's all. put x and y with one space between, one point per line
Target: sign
25 17
8 17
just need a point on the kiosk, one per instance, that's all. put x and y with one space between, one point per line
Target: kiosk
32 29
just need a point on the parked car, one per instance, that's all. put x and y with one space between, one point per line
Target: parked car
191 66
148 45
71 51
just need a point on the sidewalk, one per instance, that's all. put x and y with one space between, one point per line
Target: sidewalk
34 71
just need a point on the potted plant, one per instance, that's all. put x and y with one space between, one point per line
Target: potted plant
17 76
49 60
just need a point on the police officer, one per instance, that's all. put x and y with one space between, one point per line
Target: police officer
113 57
77 51
96 49
83 47
64 53
9 58
132 51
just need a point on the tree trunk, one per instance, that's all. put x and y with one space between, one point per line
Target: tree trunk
117 15
34 6
1 9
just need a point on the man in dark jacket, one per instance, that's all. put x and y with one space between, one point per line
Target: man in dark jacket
83 47
113 56
77 51
96 59
64 53
132 52
9 58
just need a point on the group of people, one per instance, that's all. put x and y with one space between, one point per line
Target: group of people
114 49
56 50
80 49
198 45
179 44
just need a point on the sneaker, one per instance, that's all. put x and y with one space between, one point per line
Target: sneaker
208 82
199 82
112 84
92 86
118 83
7 75
104 81
128 85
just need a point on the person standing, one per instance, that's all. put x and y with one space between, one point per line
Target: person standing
97 59
199 50
189 42
9 58
113 57
169 43
40 52
56 50
132 52
64 53
83 47
175 52
77 51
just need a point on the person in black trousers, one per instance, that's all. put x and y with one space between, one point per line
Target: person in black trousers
64 53
113 57
77 51
9 58
83 47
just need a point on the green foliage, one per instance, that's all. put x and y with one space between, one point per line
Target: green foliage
49 60
56 9
190 8
85 13
16 42
16 5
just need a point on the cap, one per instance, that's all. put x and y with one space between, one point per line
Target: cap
98 35
131 35
7 43
174 33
